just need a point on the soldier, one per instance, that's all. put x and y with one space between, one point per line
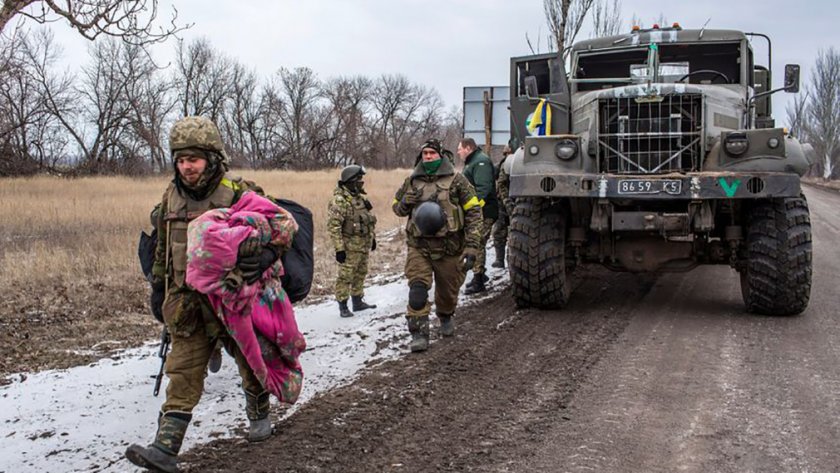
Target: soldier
351 225
500 228
200 184
478 169
443 234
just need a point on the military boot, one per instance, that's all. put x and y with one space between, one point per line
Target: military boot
500 257
418 327
343 310
360 304
482 278
162 454
447 325
256 409
476 286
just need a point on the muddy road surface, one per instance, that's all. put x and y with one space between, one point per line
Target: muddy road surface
638 374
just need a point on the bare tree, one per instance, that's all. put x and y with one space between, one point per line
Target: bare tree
132 21
797 116
606 18
565 19
57 93
23 117
204 79
299 91
346 106
150 101
247 123
823 117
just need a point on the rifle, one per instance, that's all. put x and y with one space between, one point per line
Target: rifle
146 253
165 339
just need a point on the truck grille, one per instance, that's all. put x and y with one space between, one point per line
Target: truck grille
650 136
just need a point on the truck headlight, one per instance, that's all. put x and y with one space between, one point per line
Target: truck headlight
534 150
566 149
736 144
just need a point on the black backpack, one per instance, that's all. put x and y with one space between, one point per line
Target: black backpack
298 261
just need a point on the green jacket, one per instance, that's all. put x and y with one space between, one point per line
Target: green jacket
478 169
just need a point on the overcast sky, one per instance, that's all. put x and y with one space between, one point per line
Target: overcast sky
449 44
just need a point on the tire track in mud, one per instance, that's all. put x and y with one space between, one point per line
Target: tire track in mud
468 404
697 384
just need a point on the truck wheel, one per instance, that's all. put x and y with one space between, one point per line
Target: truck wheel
537 254
777 277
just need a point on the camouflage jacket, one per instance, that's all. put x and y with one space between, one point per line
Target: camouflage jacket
503 186
350 223
461 195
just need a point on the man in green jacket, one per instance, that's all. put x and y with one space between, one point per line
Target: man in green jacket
478 169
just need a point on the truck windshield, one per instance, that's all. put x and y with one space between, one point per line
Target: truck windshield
705 63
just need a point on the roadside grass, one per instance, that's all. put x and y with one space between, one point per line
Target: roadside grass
68 256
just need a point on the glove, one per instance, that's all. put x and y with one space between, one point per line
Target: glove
156 301
254 265
368 205
341 256
468 259
373 245
409 199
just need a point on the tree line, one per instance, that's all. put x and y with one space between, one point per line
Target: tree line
814 115
112 116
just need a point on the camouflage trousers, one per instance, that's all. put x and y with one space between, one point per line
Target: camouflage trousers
447 274
500 228
351 275
186 364
481 258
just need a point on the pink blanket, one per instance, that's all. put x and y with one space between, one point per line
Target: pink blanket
259 316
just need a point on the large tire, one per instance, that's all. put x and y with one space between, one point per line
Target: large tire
777 277
537 254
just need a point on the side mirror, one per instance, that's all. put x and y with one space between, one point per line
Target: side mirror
792 78
531 89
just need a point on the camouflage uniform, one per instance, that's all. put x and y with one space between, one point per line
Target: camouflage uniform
188 315
500 229
438 257
351 226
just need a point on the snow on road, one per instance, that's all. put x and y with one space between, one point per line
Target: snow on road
83 418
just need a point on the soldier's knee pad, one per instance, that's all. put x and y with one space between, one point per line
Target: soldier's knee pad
418 294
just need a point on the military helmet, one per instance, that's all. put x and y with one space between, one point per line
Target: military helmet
351 173
197 132
429 218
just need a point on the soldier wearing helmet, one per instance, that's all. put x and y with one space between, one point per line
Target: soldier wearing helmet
200 183
351 225
443 234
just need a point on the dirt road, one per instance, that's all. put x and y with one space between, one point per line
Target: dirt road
638 374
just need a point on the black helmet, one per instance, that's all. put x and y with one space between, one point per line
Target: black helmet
351 173
429 218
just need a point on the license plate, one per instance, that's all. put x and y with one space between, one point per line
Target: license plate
649 186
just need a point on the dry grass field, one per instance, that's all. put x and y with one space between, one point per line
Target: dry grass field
70 279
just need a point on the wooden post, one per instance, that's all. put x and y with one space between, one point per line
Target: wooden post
488 123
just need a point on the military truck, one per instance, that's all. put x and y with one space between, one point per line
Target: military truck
657 153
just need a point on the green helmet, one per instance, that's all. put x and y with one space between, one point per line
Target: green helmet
429 218
197 132
351 173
